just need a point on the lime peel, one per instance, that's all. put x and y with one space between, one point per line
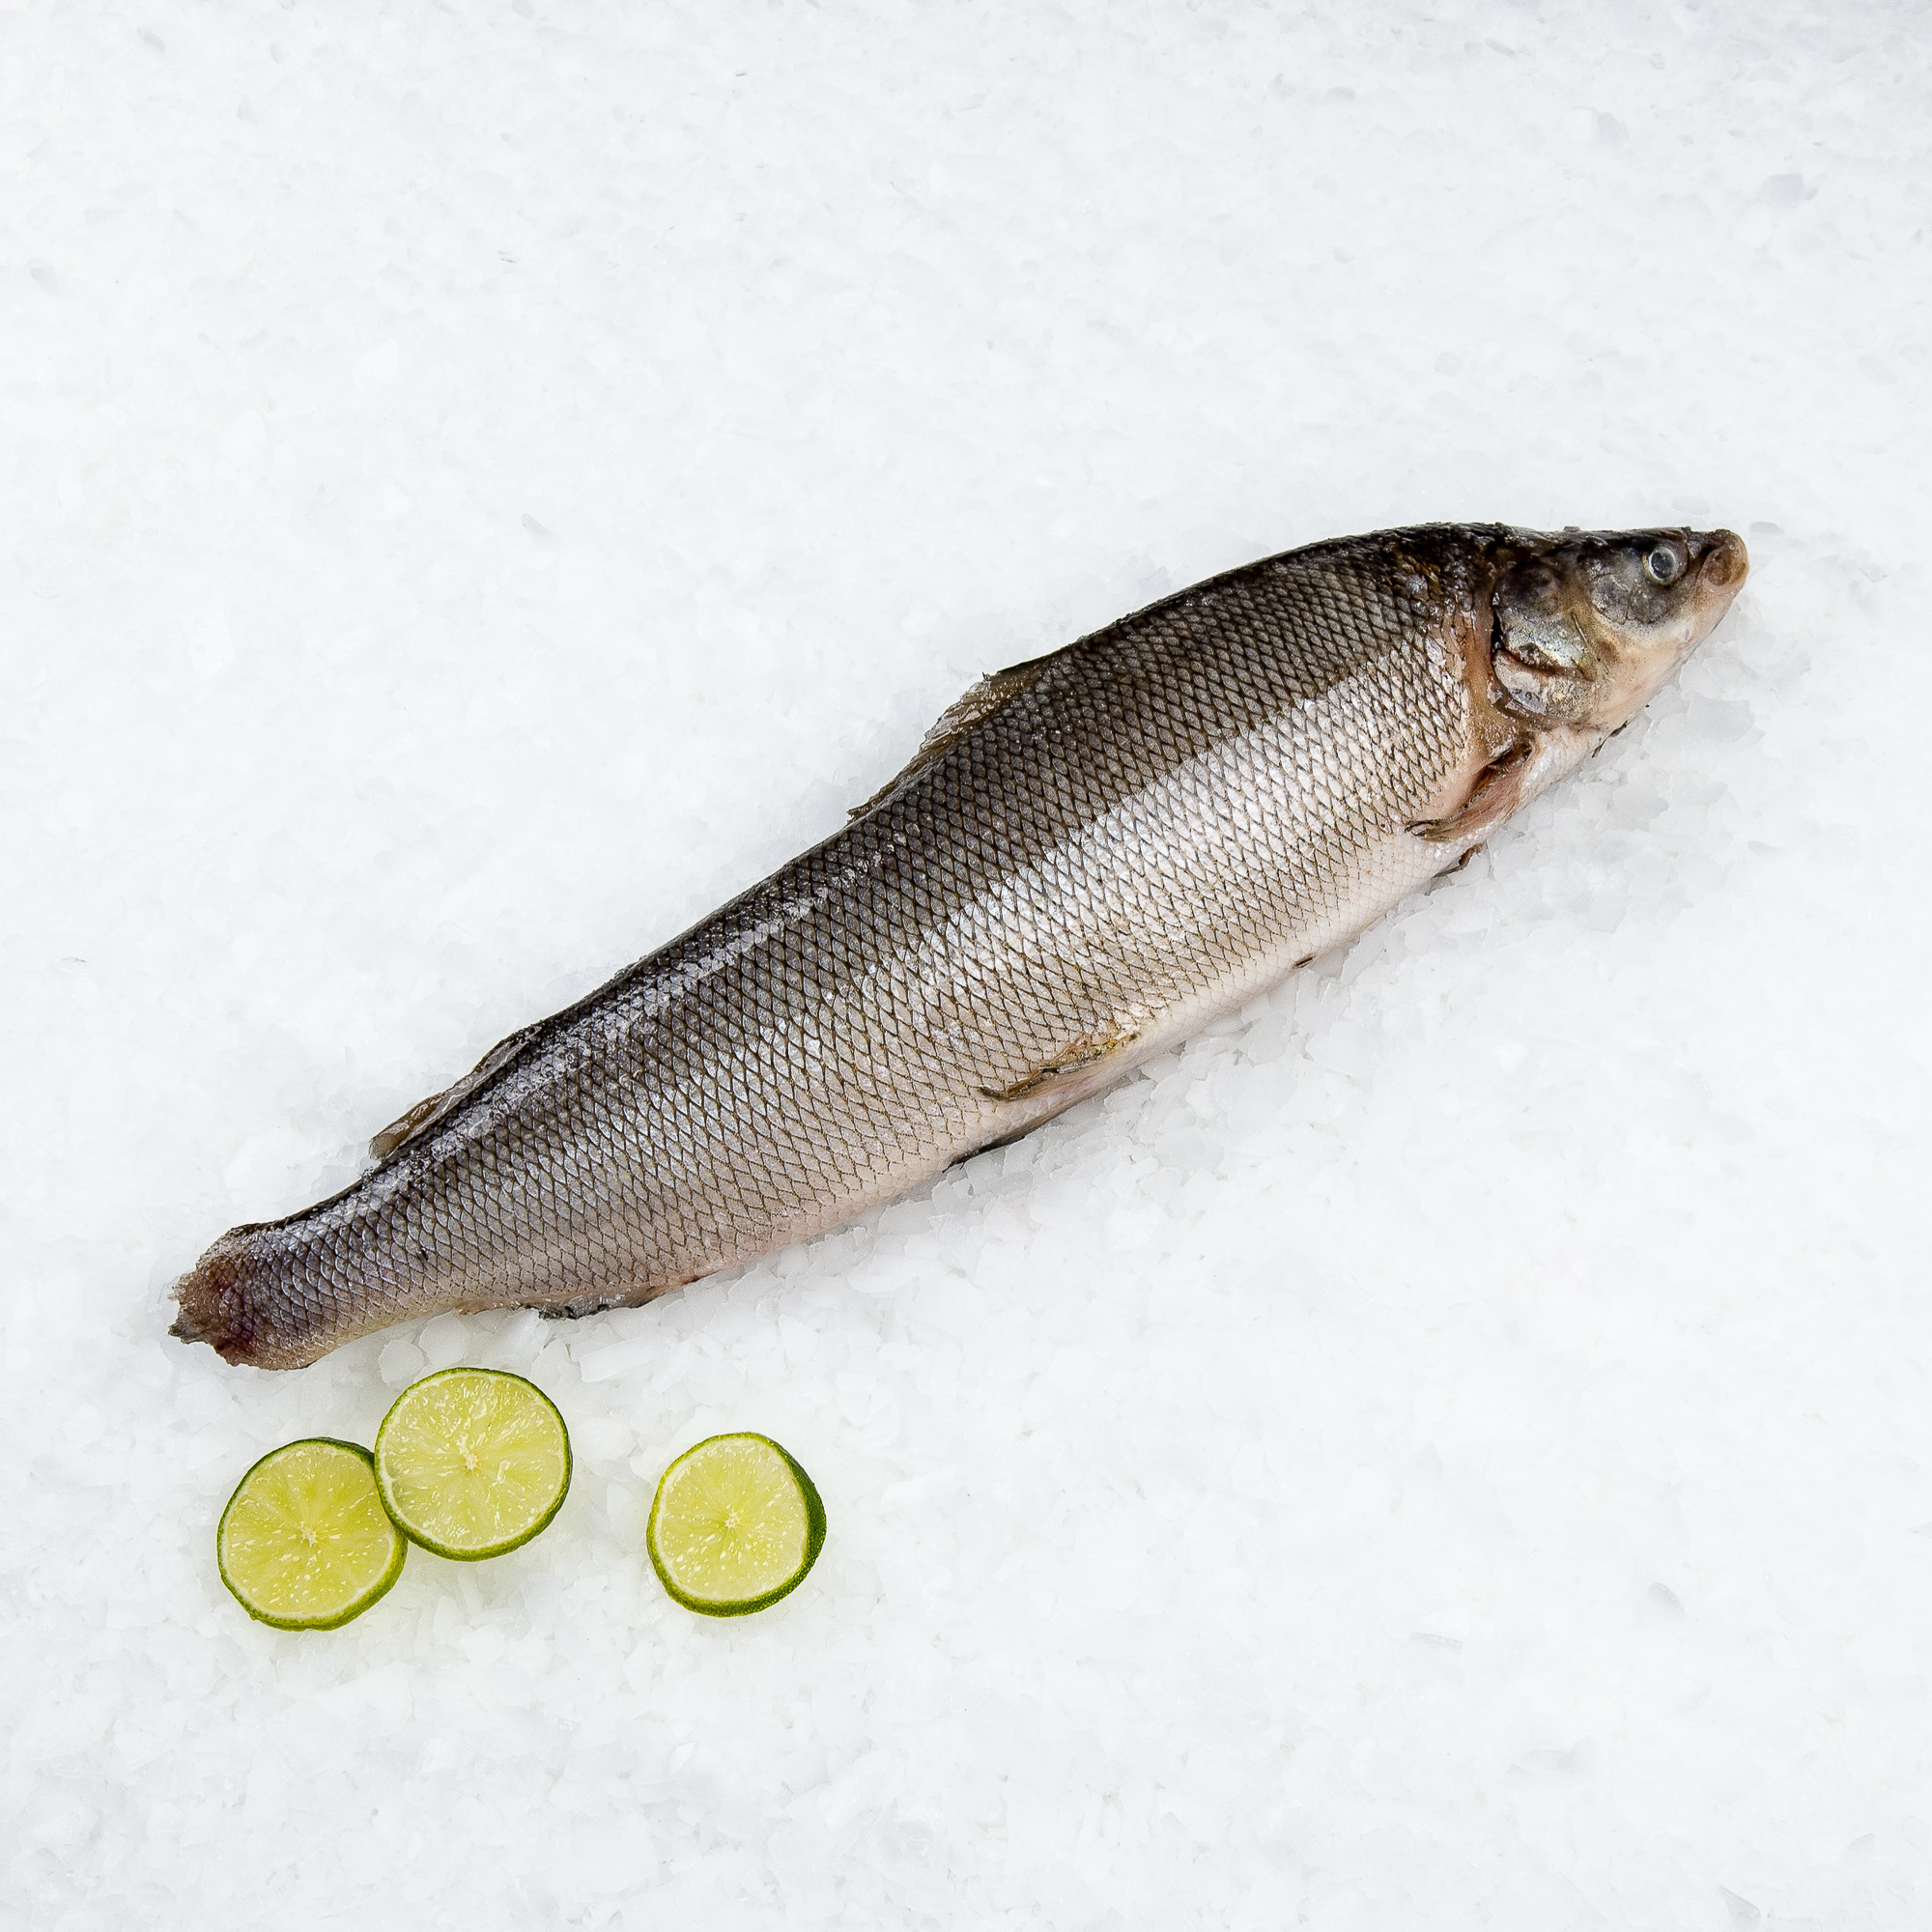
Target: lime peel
735 1525
472 1462
305 1541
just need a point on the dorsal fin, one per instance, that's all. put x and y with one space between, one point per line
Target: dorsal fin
433 1112
959 717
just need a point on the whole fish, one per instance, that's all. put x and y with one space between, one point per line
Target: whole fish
1089 855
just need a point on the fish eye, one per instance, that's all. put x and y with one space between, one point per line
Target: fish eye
1663 564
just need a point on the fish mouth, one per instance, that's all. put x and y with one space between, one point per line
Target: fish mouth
1724 562
1719 563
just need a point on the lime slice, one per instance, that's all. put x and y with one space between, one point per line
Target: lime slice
304 1543
472 1462
735 1526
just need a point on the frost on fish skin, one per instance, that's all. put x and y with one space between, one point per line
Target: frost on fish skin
1091 854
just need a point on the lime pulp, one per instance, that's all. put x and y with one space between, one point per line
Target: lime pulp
304 1543
735 1525
471 1463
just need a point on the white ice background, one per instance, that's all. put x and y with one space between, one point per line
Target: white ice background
1452 1447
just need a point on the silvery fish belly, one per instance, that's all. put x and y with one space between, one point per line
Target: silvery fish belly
1090 854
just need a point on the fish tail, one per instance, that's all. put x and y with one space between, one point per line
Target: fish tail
221 1303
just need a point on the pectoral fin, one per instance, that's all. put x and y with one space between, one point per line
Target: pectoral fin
1496 793
1518 773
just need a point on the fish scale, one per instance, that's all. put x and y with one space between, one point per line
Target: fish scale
1091 854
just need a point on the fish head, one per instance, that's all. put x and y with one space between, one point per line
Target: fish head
1589 627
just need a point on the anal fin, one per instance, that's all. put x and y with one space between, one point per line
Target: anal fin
1004 1141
